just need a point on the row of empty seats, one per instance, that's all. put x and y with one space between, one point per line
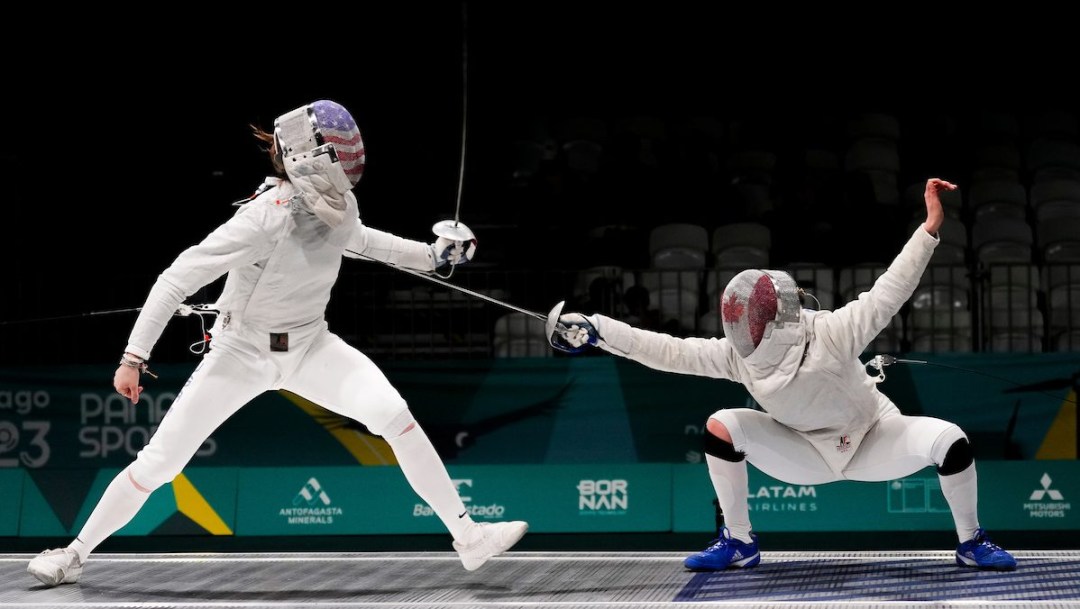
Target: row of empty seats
1004 277
825 172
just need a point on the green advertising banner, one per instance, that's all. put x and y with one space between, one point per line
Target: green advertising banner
590 498
1029 495
200 501
774 505
352 500
568 443
1016 495
1019 495
325 501
11 492
516 411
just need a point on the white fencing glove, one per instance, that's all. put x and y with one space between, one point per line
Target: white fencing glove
453 252
570 332
322 182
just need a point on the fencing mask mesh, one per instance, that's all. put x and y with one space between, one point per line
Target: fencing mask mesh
339 128
755 302
323 124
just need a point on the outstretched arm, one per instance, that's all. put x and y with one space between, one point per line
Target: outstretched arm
698 356
367 242
850 329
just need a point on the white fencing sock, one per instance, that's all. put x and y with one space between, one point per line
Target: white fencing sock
428 476
730 481
121 501
961 491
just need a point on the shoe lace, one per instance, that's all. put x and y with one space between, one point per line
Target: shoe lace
718 543
986 543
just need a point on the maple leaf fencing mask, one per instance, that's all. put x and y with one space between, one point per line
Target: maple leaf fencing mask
760 307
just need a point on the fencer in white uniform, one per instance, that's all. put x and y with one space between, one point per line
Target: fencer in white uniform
822 417
281 251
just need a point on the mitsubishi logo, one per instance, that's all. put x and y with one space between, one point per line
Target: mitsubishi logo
1038 494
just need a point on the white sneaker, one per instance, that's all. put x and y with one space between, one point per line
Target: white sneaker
492 539
55 567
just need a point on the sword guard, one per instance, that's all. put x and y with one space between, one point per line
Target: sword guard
453 230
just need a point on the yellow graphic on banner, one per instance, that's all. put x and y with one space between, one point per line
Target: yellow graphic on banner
190 503
366 448
1060 440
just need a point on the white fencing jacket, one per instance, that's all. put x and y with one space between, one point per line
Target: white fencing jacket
282 262
825 394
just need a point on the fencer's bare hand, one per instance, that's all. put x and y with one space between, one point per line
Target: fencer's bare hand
126 382
935 215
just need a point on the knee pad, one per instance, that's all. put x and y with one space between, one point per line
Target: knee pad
958 458
722 449
948 434
951 451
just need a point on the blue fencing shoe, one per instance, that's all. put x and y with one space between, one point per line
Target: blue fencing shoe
724 553
982 553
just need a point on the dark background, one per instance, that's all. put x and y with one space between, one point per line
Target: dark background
125 144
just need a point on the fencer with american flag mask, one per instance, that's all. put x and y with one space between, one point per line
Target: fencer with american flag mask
281 251
822 417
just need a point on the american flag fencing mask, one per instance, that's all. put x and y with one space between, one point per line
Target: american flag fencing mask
323 126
